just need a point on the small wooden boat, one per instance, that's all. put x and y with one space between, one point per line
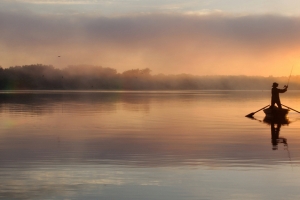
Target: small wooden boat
276 112
276 120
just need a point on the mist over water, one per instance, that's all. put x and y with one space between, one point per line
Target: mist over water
89 77
145 145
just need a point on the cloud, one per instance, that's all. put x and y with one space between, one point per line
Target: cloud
61 1
215 43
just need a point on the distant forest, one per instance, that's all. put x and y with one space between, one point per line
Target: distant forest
85 77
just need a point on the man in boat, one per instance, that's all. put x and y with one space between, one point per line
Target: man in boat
275 95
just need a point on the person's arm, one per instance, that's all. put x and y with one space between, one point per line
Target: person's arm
283 90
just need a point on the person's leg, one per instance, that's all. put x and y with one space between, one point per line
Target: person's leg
279 104
272 104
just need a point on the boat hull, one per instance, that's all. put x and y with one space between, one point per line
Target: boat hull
276 112
276 120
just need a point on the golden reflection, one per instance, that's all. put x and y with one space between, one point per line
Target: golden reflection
275 123
275 131
153 129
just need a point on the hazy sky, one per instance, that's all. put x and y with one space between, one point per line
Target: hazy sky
173 36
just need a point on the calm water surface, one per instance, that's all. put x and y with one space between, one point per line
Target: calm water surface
146 145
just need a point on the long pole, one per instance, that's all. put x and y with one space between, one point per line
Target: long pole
287 148
290 76
291 108
251 114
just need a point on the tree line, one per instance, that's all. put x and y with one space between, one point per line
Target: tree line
86 77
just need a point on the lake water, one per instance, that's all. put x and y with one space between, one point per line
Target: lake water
146 145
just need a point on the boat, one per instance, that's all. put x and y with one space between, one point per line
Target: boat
276 120
276 112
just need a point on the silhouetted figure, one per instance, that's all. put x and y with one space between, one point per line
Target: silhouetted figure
275 136
275 95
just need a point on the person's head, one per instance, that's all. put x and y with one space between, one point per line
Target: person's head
275 85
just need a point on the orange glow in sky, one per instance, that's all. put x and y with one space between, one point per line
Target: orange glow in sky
193 38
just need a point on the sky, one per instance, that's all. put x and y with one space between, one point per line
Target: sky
204 37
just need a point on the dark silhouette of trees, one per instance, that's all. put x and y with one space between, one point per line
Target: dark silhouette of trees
87 77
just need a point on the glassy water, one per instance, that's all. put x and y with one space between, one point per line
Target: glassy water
147 145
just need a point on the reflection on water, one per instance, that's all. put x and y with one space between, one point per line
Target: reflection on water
145 145
275 124
275 130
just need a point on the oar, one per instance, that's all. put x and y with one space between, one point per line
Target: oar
251 114
291 108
